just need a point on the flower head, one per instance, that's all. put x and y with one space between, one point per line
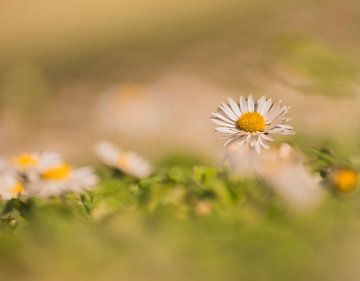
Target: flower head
344 180
126 161
42 175
54 176
29 166
122 108
252 122
282 168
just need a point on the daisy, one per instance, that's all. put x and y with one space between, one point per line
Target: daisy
28 166
122 109
47 174
10 186
125 161
282 168
59 179
252 122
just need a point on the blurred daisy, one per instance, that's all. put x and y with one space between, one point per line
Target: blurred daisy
42 175
282 169
10 187
125 161
28 166
122 109
252 122
343 180
46 174
58 179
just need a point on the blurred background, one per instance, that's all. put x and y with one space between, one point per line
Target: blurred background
147 74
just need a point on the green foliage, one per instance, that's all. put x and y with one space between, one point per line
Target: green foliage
182 223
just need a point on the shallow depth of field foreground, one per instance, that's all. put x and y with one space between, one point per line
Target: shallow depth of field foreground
179 140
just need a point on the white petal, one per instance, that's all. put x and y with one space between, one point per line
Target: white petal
266 137
276 112
286 127
233 139
222 117
266 107
227 110
225 130
248 138
243 105
281 131
250 103
258 147
260 104
235 107
222 123
263 142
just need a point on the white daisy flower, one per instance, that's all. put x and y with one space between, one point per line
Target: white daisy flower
28 166
252 122
10 186
46 175
126 161
58 179
282 168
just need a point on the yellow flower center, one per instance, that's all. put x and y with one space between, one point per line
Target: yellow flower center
25 161
128 93
123 161
58 173
17 188
251 122
346 180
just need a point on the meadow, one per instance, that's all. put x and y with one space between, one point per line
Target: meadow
128 91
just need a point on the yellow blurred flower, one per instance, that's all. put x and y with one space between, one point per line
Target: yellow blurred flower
344 180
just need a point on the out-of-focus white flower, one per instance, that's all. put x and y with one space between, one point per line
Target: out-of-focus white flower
123 109
57 178
126 161
251 122
240 159
42 175
10 186
30 166
283 169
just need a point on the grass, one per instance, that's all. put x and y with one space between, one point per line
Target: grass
155 229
